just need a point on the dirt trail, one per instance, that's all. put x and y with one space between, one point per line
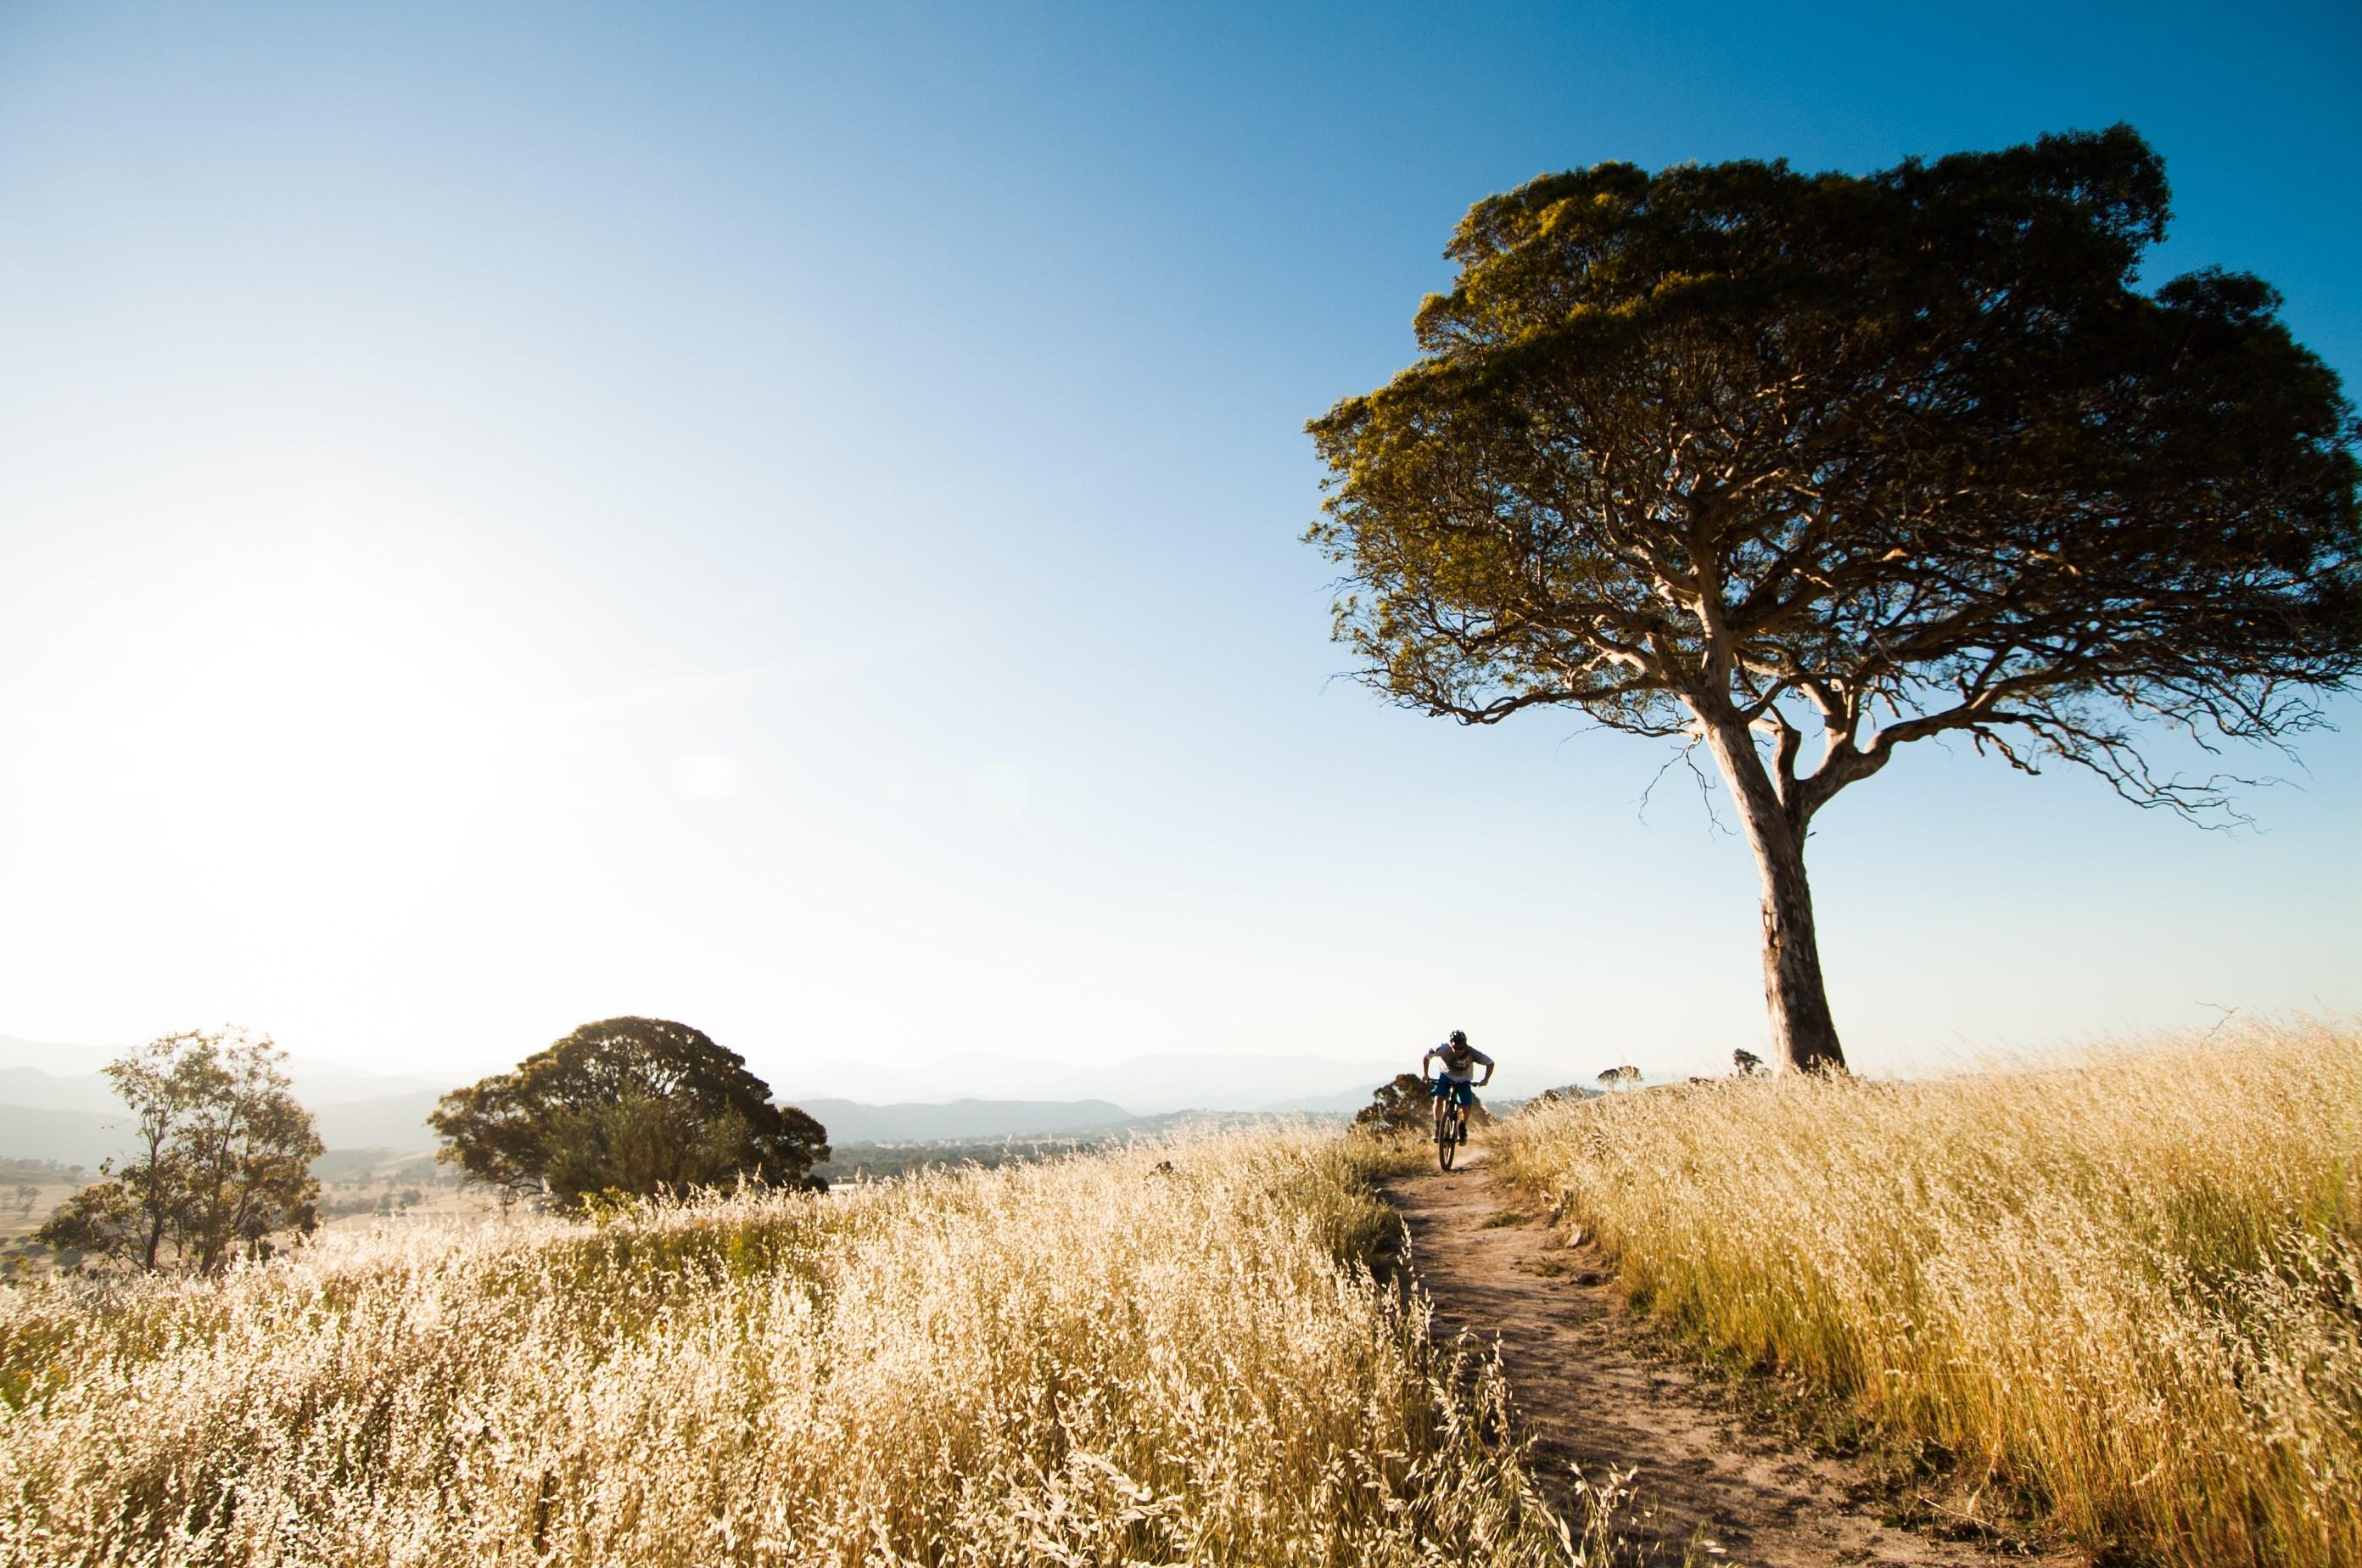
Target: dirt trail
1594 1394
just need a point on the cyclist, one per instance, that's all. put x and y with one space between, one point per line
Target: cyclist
1460 1060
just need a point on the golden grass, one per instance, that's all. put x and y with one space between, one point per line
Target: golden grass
2129 1286
1092 1361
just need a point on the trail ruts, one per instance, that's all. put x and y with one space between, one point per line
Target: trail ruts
1595 1393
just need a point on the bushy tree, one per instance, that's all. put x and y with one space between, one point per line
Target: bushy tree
1404 1105
222 1157
1753 458
630 1105
102 1220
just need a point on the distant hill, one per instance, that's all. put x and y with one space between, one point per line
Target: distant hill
62 1111
36 1073
1168 1081
1324 1104
38 1091
51 1057
318 1086
396 1122
849 1121
72 1118
1511 1082
69 1137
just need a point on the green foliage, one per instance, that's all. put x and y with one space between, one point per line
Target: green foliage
1738 444
102 1219
1404 1105
223 1158
626 1108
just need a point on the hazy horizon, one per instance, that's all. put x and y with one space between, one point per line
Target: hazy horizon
931 1078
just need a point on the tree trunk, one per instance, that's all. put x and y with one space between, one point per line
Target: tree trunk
1801 1030
156 1206
1793 989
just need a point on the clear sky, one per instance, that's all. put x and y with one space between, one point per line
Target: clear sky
787 518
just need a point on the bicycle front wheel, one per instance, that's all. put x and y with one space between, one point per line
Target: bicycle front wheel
1447 1134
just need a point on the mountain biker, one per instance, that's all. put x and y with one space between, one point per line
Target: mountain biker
1459 1059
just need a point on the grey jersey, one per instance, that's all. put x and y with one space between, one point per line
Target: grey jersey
1459 1068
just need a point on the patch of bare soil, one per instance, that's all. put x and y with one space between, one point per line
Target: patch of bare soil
1597 1391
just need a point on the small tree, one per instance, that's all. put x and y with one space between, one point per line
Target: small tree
1617 1078
1748 1062
246 1158
102 1220
1749 458
635 1105
1405 1105
222 1157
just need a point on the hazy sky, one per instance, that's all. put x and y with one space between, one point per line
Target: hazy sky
787 518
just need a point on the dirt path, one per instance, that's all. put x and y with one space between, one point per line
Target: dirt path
1594 1394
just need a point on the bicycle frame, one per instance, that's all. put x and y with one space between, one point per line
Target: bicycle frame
1451 1127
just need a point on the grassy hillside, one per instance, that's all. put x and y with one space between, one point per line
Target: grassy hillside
1159 1355
2130 1287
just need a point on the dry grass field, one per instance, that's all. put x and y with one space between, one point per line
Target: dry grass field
2128 1286
27 1206
1173 1354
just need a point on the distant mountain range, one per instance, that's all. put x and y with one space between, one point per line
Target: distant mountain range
69 1137
54 1104
1157 1085
849 1121
62 1120
59 1118
72 1116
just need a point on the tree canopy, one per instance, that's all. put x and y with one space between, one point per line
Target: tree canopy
1755 459
630 1105
1401 1105
222 1159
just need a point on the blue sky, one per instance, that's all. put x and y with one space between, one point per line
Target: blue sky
787 518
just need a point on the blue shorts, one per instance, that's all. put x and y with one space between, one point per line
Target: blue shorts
1464 1093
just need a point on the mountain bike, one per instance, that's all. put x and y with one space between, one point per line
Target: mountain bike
1450 1128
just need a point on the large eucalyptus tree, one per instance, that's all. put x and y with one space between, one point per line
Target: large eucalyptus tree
1767 462
629 1105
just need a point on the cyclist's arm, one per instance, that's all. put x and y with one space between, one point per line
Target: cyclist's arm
1432 1052
1488 1062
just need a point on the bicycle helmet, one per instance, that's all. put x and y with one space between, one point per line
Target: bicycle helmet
1460 1037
